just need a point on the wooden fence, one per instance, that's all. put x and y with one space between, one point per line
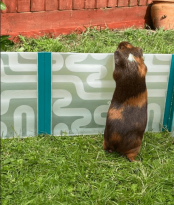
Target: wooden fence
37 17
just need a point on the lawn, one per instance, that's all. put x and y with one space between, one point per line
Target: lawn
67 170
104 41
49 170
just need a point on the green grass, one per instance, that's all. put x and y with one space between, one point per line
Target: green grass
49 170
103 41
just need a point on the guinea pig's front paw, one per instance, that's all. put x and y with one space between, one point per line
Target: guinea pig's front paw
109 150
133 160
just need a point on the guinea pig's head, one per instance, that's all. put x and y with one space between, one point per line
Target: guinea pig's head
129 58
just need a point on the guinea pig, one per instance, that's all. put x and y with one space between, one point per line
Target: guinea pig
127 115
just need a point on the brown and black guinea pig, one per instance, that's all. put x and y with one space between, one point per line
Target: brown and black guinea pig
127 115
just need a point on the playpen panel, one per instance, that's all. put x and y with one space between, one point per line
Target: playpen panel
81 92
78 99
18 94
82 87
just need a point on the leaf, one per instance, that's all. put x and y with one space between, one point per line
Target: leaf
8 161
70 189
134 187
3 6
3 38
5 42
21 49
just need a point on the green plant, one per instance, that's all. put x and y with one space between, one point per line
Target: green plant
2 6
38 45
100 41
4 40
5 43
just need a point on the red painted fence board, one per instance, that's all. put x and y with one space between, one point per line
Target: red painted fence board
89 4
101 3
112 3
122 3
51 5
149 1
142 2
37 5
59 22
65 4
66 16
133 2
11 6
23 5
78 4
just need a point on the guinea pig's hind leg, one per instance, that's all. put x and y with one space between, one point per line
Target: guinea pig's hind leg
132 154
106 148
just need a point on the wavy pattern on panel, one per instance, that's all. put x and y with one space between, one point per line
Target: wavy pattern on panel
82 87
87 84
18 94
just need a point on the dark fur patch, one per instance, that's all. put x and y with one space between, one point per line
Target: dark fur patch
127 116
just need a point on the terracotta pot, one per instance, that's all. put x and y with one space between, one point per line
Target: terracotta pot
162 14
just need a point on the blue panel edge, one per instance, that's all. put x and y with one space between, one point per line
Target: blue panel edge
48 80
41 93
169 106
44 93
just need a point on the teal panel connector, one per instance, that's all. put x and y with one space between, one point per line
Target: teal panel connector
169 107
172 118
48 82
44 93
41 93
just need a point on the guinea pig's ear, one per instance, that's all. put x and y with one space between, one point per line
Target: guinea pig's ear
141 51
119 59
116 57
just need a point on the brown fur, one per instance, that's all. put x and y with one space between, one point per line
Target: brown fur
127 115
138 101
115 113
141 66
